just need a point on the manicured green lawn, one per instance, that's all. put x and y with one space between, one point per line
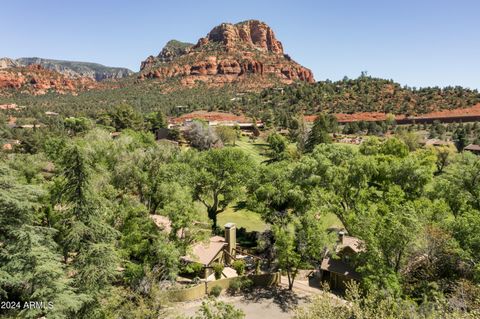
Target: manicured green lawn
242 218
330 220
255 149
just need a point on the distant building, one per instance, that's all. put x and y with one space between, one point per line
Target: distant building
437 143
339 268
29 126
474 148
115 135
10 144
214 119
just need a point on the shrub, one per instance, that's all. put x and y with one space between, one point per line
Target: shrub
216 291
193 268
239 266
217 270
239 284
235 286
212 308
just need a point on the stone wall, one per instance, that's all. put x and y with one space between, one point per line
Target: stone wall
203 289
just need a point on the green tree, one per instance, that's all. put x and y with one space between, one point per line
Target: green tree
77 125
227 134
322 125
460 184
298 232
156 120
124 116
149 255
220 177
30 265
84 234
411 139
288 257
278 146
444 156
460 138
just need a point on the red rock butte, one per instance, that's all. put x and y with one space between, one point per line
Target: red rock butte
229 53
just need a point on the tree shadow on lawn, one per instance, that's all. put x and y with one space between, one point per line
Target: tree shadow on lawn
285 299
239 206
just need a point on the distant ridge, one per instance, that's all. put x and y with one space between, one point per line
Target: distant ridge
73 69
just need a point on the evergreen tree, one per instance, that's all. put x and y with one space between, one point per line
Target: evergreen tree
460 138
85 236
156 120
30 265
322 125
124 116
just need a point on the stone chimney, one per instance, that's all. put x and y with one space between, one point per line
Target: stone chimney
231 239
341 235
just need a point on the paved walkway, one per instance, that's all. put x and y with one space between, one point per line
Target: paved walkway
263 308
303 287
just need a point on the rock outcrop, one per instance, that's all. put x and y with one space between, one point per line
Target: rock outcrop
71 69
8 63
36 80
229 53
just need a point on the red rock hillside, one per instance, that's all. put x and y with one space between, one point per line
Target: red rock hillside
242 52
36 80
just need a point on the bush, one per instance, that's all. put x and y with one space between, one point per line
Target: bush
239 266
193 269
216 291
235 286
217 270
214 309
239 284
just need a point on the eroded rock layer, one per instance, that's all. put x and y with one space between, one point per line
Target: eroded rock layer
229 53
34 79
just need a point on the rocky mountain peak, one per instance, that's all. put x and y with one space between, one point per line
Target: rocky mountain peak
230 53
250 33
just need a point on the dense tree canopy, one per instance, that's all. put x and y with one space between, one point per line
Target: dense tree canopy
79 211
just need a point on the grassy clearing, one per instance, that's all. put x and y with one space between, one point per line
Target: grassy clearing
251 221
330 220
254 149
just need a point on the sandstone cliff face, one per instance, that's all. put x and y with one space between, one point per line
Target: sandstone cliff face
252 33
36 80
7 63
229 53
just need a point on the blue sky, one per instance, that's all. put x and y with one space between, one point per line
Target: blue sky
418 43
